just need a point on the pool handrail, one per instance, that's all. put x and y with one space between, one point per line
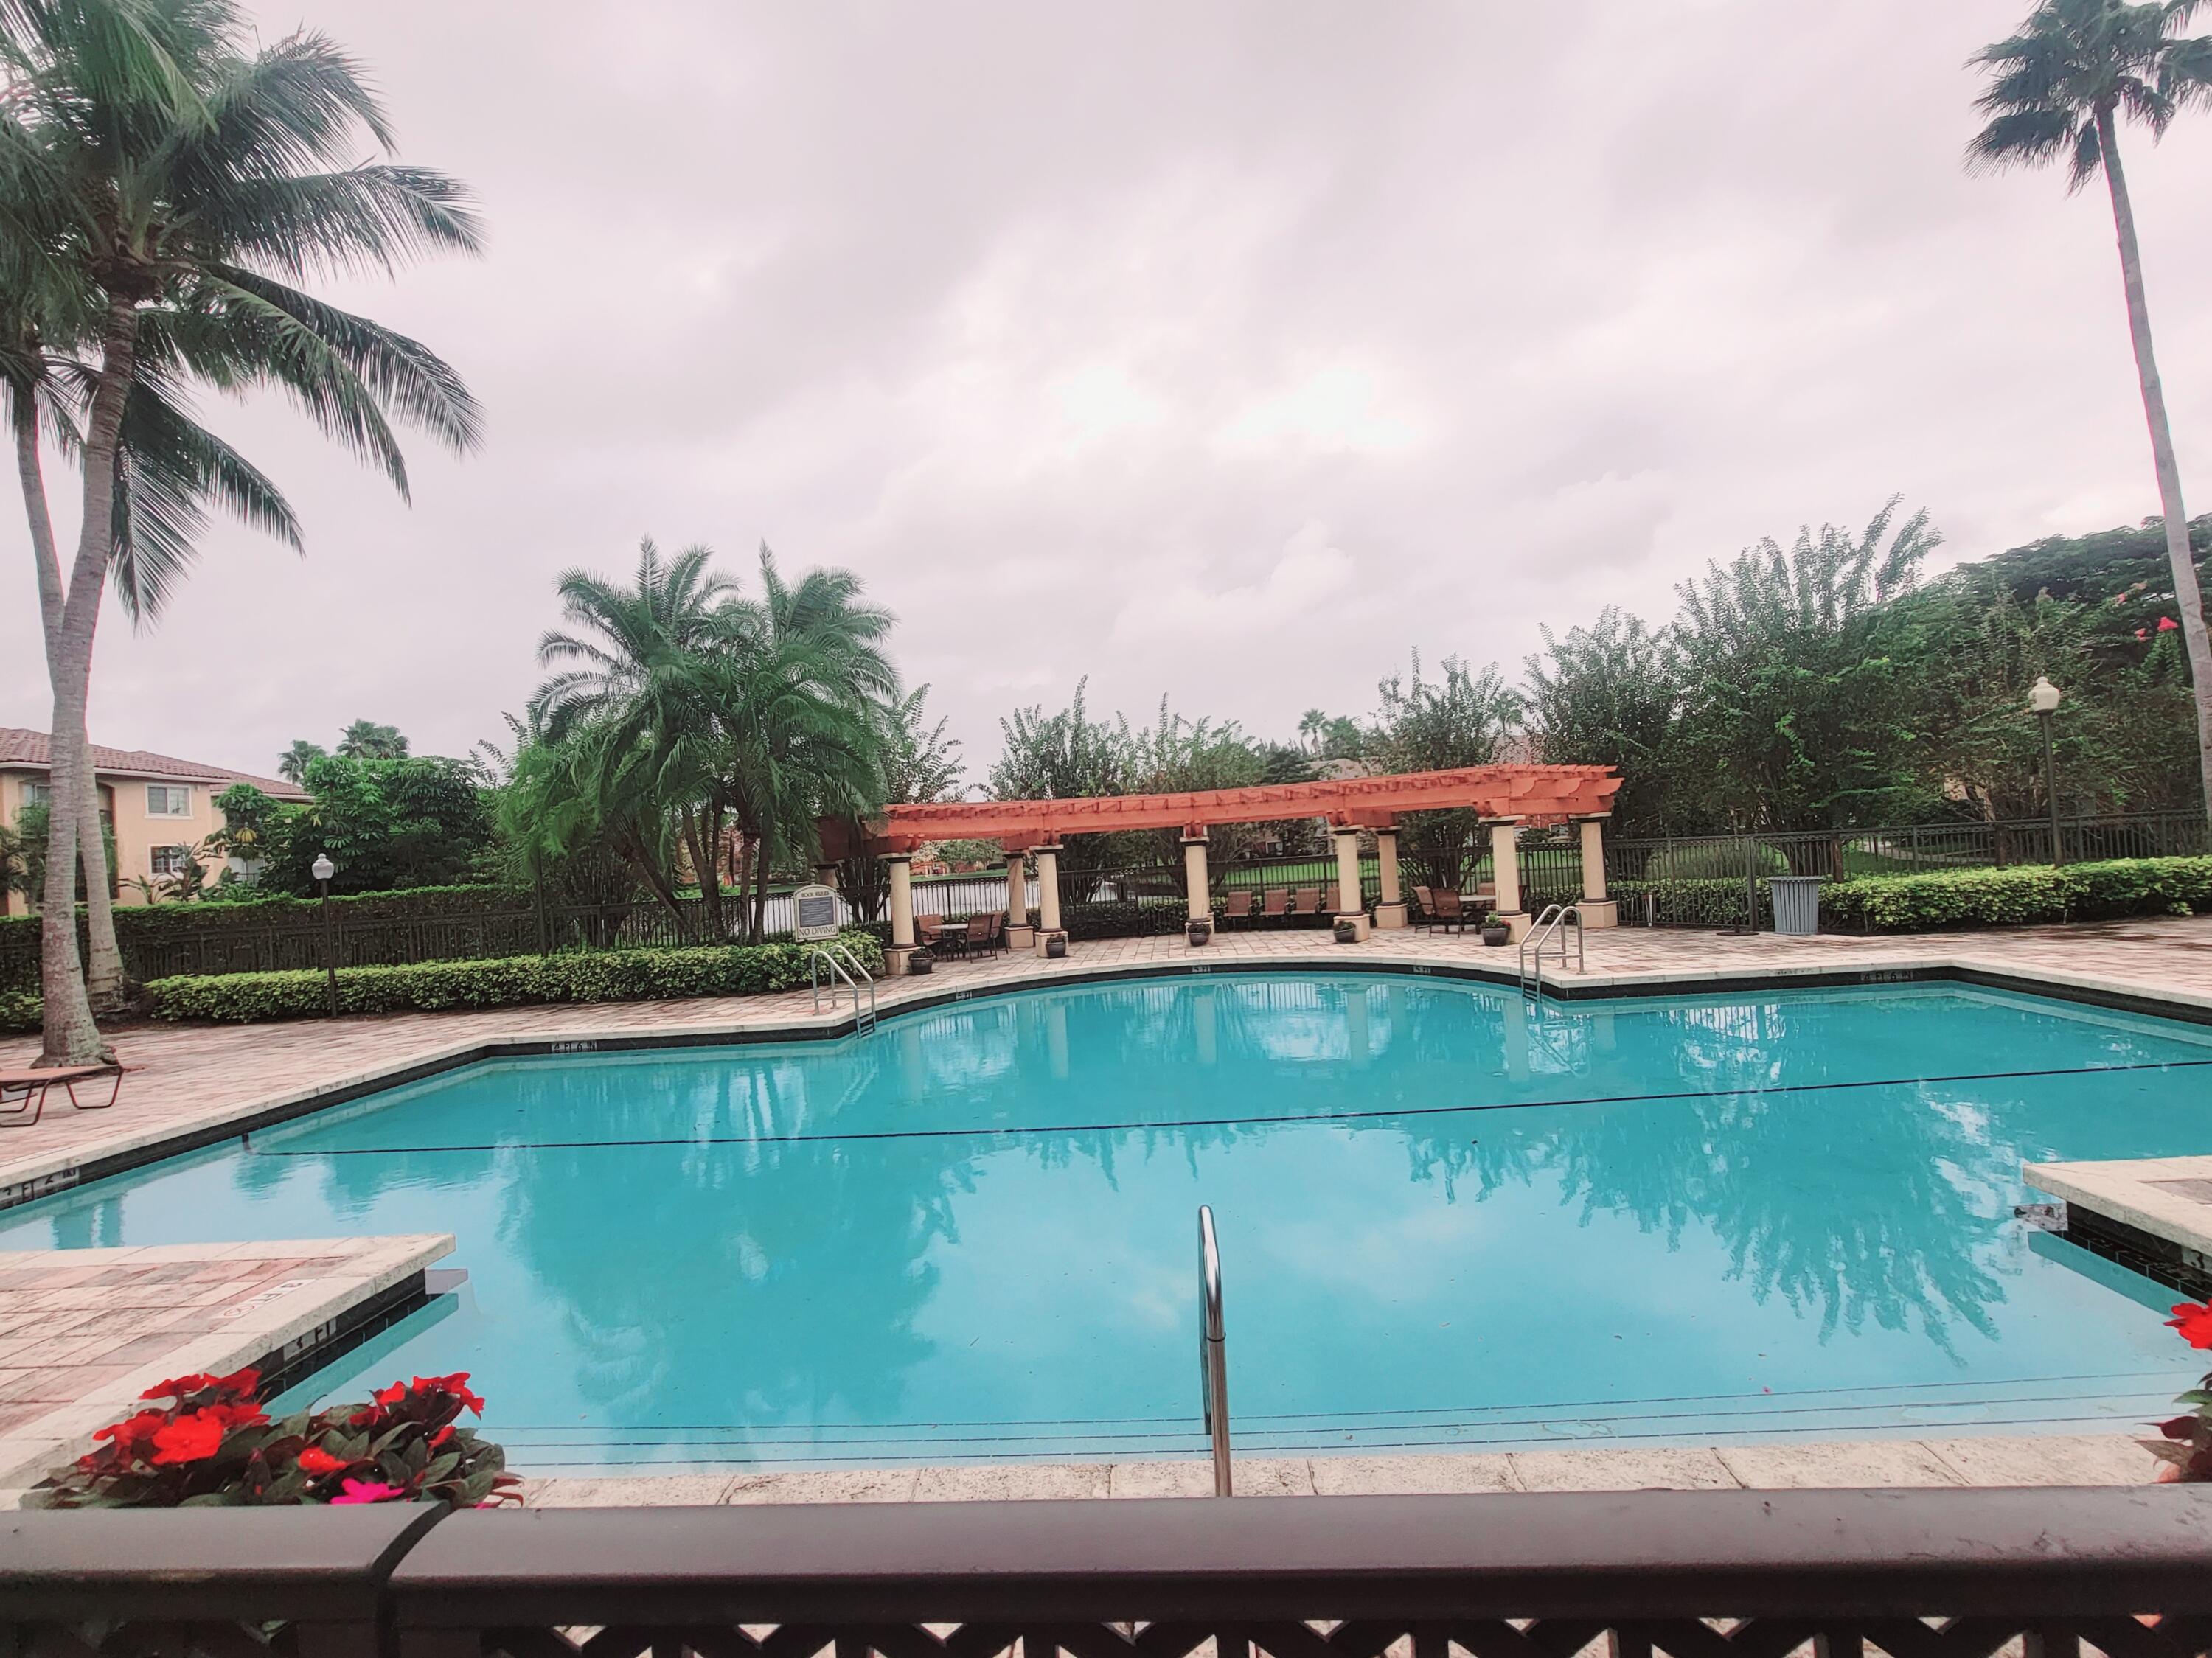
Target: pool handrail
1548 925
1214 1352
845 965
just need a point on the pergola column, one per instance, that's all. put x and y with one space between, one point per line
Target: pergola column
826 875
1596 909
1390 911
1047 877
1196 886
1505 874
1020 935
900 864
1350 906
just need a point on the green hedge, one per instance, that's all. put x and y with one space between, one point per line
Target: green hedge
1704 902
2021 895
611 975
19 1009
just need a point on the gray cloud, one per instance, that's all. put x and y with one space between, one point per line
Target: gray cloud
1226 351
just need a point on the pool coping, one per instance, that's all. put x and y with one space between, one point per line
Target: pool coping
27 1178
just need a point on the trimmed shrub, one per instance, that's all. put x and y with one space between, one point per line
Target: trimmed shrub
611 975
21 1010
2021 895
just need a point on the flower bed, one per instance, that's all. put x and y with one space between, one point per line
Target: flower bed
211 1445
611 975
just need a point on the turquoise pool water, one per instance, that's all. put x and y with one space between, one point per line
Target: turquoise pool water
1447 1219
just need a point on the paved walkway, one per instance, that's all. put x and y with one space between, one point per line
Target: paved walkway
196 1078
84 1333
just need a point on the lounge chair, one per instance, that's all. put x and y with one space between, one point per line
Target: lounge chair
23 1093
1276 906
1239 906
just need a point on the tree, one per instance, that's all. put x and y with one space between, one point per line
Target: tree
365 740
1796 714
1439 725
920 764
167 173
292 765
2059 88
1606 695
387 824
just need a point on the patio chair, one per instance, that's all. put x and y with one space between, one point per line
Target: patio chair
23 1093
995 932
929 932
1239 906
1276 906
1451 910
1424 907
1306 901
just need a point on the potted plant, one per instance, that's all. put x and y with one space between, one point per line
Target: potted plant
920 961
2184 1446
212 1445
1347 930
1495 932
1056 946
1200 929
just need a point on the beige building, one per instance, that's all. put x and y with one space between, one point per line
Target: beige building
159 808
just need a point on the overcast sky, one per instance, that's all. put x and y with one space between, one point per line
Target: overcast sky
1226 350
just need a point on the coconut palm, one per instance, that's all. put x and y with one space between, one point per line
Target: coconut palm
184 185
2059 90
292 765
1313 727
365 740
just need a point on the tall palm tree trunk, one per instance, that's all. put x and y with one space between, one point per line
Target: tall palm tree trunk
2186 596
104 966
71 1037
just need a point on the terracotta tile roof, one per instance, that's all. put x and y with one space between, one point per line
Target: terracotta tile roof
24 750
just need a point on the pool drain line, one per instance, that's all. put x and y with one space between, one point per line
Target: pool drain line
1213 1351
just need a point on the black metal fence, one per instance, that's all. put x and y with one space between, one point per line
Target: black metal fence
1912 1574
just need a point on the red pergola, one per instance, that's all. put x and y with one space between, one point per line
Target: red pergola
1525 795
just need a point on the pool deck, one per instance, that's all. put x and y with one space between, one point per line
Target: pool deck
84 1333
192 1085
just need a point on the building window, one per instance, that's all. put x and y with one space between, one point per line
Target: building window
168 800
169 860
37 794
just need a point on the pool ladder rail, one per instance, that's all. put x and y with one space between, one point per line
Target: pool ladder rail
1550 928
845 968
1212 1351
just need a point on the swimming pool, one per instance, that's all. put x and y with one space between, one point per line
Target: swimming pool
1450 1219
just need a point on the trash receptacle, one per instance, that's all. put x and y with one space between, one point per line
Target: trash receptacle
1796 904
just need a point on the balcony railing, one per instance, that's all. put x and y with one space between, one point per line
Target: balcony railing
1914 1574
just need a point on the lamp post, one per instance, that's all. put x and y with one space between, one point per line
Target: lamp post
2043 697
322 869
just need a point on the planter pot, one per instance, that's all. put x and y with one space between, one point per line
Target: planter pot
1056 947
921 962
1200 933
1347 933
1496 935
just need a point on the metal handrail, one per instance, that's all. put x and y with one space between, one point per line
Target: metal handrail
845 965
1549 924
1213 1351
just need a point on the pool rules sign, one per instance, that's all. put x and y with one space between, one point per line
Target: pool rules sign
816 910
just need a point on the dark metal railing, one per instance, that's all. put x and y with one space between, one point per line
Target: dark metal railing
1914 1574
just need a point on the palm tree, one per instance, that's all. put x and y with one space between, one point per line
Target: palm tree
2060 87
293 765
365 740
1313 727
165 173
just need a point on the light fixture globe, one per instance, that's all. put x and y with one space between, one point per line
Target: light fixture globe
322 869
2043 695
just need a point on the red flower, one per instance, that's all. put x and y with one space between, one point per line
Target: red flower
2195 1323
245 1383
246 1414
441 1435
317 1461
191 1438
178 1386
456 1384
2143 633
2166 624
391 1395
365 1491
132 1437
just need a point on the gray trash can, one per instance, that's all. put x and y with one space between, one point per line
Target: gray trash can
1796 904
